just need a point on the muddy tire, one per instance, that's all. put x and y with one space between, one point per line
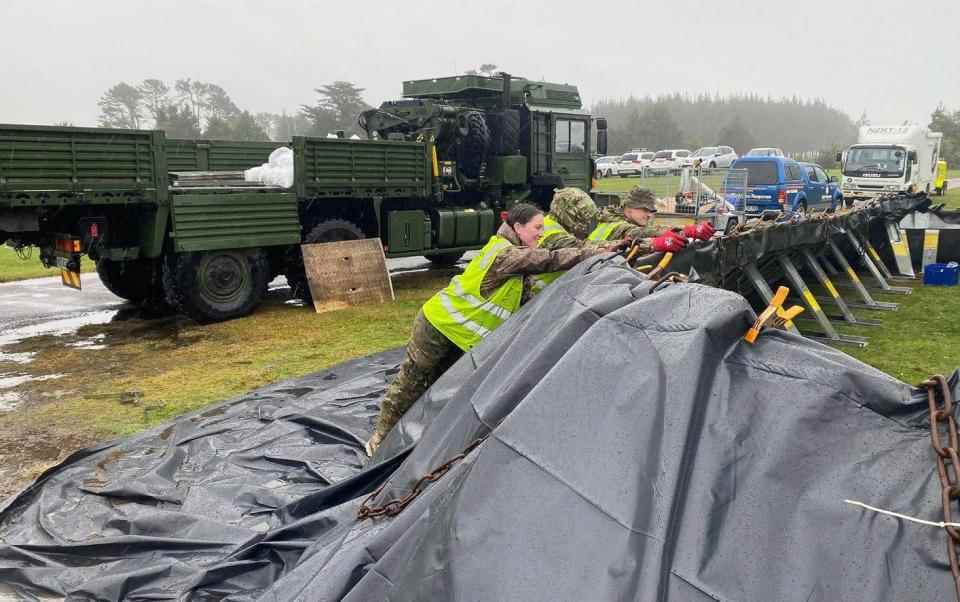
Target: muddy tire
212 286
137 281
474 144
444 260
331 230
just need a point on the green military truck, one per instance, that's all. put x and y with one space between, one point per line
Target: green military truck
172 221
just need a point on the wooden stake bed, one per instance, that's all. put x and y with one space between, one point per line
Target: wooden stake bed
347 273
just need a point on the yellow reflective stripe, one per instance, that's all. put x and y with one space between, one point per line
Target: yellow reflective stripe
461 319
853 275
873 252
492 253
931 240
833 291
808 296
487 306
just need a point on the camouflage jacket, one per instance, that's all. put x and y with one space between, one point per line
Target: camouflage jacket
526 261
566 240
626 229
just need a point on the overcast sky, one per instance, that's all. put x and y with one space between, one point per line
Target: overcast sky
894 59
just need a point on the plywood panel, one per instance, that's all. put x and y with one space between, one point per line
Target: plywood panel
347 273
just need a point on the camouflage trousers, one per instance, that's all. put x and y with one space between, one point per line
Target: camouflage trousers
429 354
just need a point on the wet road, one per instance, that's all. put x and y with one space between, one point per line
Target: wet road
45 305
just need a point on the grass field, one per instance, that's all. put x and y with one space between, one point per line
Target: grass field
150 371
13 267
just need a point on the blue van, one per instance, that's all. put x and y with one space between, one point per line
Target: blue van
773 183
820 191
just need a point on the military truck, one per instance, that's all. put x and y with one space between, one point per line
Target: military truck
172 221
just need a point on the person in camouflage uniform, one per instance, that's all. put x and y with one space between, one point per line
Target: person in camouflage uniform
632 218
571 219
430 352
629 219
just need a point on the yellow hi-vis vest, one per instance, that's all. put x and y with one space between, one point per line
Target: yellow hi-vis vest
461 313
603 230
551 227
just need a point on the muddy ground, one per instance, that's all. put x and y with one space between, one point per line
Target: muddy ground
46 363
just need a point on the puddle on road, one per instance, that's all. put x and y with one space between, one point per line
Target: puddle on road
54 328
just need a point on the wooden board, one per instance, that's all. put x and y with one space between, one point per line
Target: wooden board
347 273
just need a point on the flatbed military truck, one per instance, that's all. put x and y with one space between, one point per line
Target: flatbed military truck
172 221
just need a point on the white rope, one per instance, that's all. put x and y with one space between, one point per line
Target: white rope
903 516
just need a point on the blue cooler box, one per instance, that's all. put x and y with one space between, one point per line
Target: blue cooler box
941 274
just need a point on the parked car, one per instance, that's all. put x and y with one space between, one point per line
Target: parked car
712 157
607 166
765 151
820 191
632 163
773 183
667 161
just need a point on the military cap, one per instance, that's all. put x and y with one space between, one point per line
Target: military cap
574 209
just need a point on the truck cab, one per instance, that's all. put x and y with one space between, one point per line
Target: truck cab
887 160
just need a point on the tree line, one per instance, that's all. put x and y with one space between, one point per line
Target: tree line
195 109
947 122
741 121
189 108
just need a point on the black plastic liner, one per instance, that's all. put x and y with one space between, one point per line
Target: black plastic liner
633 448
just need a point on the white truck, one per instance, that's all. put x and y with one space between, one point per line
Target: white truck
890 159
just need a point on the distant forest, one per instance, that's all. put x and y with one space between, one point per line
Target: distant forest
681 121
808 128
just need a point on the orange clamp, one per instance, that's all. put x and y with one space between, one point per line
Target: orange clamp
774 315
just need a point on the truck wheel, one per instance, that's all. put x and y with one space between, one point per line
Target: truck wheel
137 280
444 260
474 145
331 230
212 286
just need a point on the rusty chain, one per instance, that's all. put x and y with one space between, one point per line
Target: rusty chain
395 507
942 422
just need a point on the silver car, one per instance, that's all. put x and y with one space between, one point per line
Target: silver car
712 157
764 151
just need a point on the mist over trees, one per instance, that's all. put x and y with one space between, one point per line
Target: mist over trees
196 109
742 121
337 107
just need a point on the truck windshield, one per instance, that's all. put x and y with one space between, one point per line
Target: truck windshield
881 161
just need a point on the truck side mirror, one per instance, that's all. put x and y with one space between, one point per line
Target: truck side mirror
601 124
839 157
912 156
602 141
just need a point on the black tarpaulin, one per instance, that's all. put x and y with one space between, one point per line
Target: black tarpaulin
633 448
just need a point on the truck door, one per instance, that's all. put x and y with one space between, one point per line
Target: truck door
571 159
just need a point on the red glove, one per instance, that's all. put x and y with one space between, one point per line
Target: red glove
699 231
669 242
